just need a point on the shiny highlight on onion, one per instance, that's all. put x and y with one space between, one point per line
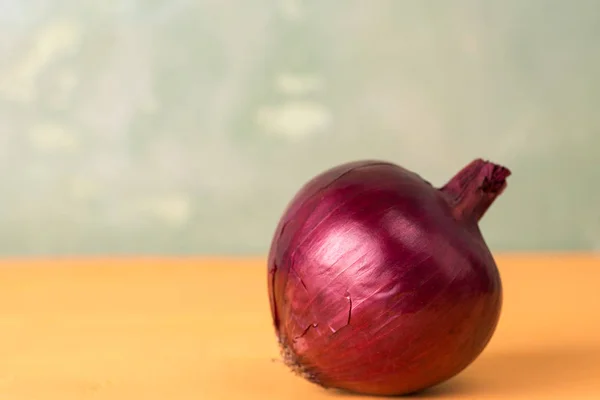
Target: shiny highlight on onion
380 283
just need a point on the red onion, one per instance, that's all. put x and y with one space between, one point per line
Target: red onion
381 284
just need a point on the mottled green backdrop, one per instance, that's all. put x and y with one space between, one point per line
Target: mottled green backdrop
181 126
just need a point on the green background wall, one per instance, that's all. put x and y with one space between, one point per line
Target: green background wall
178 126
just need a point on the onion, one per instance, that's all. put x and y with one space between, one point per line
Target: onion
380 283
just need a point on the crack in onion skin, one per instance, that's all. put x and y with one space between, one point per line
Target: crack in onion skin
380 283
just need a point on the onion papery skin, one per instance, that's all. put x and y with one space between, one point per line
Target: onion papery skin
380 283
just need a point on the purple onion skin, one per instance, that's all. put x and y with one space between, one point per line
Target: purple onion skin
380 283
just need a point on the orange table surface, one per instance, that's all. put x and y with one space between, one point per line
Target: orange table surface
200 329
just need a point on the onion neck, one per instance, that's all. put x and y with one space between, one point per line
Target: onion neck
474 188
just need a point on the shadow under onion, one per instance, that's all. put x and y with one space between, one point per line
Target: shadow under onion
519 371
